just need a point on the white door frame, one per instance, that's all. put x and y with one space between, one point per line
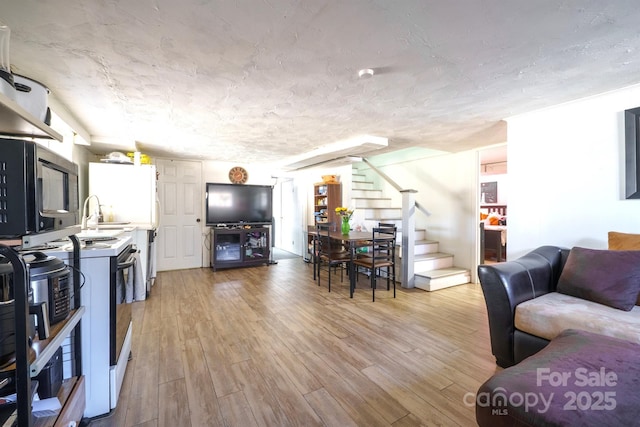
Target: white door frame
286 215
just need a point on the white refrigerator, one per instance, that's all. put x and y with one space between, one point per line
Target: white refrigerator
127 192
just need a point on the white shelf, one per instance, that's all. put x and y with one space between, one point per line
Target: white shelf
16 121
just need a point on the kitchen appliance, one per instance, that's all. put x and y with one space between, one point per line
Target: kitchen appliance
33 97
7 314
106 331
107 340
128 190
117 157
7 86
38 189
125 265
50 377
128 195
51 284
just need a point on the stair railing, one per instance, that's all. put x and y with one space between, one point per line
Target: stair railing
409 206
394 185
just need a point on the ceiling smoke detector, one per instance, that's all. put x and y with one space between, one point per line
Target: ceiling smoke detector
365 73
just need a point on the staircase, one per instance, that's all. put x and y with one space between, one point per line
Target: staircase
433 269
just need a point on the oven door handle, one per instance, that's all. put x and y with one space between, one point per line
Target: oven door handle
128 263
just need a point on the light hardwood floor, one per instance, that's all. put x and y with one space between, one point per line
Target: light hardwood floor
267 346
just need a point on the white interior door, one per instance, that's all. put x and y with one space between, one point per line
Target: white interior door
288 217
179 243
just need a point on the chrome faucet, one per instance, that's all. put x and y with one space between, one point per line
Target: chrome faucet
85 217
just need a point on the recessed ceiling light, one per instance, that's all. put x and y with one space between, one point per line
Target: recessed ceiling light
365 73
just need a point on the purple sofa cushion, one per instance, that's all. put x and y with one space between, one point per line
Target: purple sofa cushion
580 378
607 277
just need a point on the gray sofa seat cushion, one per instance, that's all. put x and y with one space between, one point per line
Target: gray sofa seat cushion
550 314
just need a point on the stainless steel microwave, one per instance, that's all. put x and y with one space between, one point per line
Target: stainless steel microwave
38 189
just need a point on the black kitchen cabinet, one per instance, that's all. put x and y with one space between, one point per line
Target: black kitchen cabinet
239 247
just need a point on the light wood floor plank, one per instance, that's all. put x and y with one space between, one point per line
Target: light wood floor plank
142 397
416 405
172 399
236 411
376 397
297 372
170 352
166 284
350 401
293 404
267 346
219 365
202 400
410 421
324 342
329 409
264 406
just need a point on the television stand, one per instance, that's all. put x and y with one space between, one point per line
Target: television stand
239 247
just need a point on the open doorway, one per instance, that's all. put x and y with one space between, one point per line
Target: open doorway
493 204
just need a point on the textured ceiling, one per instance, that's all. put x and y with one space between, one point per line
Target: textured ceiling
256 81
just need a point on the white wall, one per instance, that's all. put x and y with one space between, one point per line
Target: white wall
566 174
215 171
447 187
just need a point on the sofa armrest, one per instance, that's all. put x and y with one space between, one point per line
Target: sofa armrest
505 285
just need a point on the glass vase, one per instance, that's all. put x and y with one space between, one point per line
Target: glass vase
345 225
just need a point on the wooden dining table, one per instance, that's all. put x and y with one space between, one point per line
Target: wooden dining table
351 242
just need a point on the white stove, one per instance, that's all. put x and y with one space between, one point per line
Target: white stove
93 244
106 324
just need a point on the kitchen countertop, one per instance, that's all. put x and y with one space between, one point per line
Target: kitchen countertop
103 244
125 225
95 249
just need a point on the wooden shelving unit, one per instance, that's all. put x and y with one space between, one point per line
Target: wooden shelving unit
326 198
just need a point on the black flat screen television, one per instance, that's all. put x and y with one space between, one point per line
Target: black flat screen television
233 204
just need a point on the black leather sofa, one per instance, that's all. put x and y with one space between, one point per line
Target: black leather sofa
505 285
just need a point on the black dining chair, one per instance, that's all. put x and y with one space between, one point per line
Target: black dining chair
386 225
393 227
380 257
329 252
